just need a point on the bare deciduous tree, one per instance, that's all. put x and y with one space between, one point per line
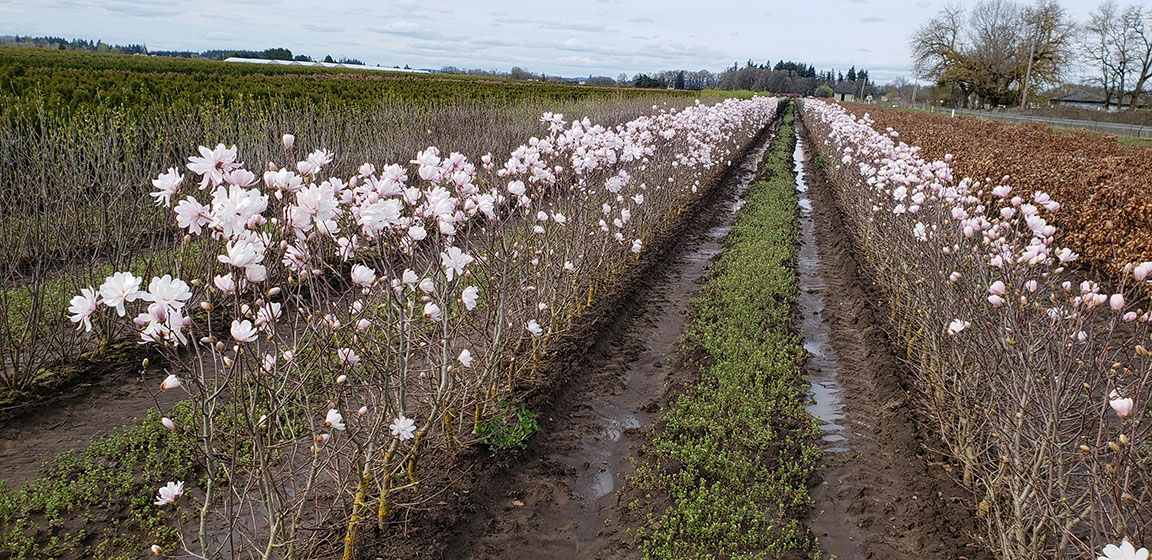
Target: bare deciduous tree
997 52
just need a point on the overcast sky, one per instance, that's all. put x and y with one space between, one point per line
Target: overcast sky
569 38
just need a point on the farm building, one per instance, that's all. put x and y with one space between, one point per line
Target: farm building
844 91
1085 99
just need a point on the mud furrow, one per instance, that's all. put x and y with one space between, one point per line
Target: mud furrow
881 494
561 500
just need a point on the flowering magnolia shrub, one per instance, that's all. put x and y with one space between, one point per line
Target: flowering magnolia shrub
1033 377
351 324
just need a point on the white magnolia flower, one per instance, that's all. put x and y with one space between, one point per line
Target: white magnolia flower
169 493
534 328
403 428
465 358
348 356
225 283
120 288
170 382
170 292
469 296
454 261
1124 552
334 419
958 325
363 276
243 331
82 307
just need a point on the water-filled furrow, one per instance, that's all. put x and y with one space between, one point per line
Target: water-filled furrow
824 367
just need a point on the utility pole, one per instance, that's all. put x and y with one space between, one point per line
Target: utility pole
1028 72
915 83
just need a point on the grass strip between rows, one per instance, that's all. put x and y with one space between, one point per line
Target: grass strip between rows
731 457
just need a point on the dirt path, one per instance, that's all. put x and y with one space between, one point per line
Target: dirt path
882 495
561 501
76 417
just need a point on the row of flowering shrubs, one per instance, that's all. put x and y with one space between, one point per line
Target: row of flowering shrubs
1036 380
352 324
1102 184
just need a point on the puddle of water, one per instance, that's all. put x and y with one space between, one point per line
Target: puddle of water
823 364
829 519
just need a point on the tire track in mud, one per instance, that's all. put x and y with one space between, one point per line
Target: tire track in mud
561 500
882 495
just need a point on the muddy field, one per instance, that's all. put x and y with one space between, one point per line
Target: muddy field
879 493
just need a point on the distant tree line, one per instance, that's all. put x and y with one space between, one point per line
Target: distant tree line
62 44
793 77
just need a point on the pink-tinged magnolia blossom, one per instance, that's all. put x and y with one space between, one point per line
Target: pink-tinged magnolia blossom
997 288
172 293
1122 405
192 216
243 331
224 283
995 300
347 356
1066 255
636 246
1123 552
169 493
1116 302
469 297
166 185
454 261
403 428
363 276
334 419
267 316
82 307
213 164
288 140
170 382
315 161
168 423
432 311
1142 270
120 288
957 325
465 358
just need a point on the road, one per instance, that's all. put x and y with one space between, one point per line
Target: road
1117 129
